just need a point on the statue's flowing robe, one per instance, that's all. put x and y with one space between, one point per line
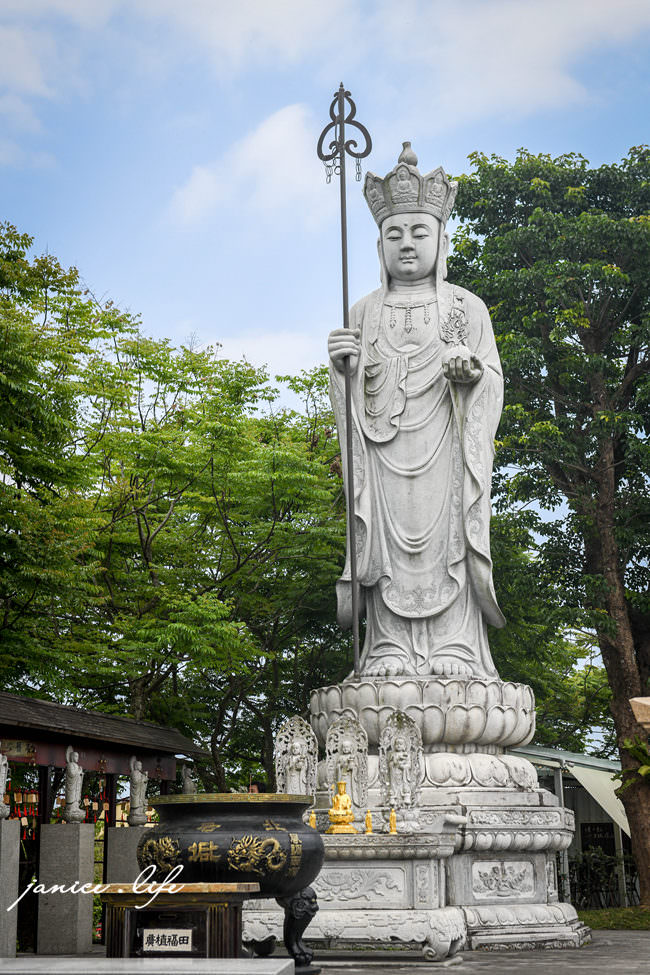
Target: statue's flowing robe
423 450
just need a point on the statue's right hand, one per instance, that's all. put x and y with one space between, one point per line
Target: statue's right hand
344 342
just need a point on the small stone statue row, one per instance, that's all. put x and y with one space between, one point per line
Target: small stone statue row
401 761
73 811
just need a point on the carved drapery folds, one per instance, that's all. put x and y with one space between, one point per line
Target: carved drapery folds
347 759
401 762
74 775
296 758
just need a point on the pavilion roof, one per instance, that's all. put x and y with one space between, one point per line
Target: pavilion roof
49 721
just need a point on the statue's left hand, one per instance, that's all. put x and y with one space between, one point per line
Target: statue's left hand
459 365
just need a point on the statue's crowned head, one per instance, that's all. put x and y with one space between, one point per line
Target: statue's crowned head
412 207
405 190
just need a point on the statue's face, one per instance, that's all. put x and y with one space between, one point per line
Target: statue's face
346 746
410 243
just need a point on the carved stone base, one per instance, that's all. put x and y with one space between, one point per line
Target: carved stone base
524 926
502 873
440 933
376 890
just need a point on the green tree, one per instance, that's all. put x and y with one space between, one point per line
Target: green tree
561 255
217 524
172 535
46 523
287 596
169 532
538 646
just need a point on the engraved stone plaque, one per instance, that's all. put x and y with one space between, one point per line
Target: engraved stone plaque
166 939
493 879
351 886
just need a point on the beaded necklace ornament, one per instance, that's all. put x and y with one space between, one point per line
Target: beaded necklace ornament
407 308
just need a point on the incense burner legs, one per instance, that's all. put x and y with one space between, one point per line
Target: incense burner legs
298 912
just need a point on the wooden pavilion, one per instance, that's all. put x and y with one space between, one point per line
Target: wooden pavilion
37 733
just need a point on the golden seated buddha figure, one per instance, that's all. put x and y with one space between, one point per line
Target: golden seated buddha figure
341 815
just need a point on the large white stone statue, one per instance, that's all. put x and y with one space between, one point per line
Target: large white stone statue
74 775
138 781
5 809
427 393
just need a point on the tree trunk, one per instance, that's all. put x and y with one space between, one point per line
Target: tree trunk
138 699
620 660
220 772
268 759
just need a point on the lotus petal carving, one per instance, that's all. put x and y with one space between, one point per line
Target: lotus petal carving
448 711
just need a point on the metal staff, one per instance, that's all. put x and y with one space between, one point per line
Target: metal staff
338 148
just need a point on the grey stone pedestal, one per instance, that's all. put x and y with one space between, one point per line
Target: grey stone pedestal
376 890
121 847
65 920
502 874
9 855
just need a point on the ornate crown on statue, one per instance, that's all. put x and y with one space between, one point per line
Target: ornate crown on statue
404 190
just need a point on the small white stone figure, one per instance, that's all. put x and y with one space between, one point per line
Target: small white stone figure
296 758
4 772
74 774
400 773
347 759
137 815
189 785
297 766
401 762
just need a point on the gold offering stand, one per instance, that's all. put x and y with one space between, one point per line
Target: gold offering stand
202 920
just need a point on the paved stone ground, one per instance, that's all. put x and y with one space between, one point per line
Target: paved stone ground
609 953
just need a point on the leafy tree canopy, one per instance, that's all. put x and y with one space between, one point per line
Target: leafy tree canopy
561 255
172 533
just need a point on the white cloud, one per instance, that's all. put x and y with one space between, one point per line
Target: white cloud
21 64
86 13
424 63
473 59
425 58
240 33
12 154
272 168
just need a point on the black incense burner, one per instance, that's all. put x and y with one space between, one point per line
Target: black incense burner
241 838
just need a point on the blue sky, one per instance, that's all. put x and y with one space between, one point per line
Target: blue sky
167 148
